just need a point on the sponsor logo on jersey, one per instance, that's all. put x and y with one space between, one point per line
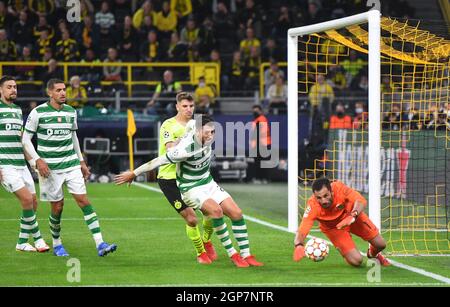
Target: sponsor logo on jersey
58 131
307 211
13 127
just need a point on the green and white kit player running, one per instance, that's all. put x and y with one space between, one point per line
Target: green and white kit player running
14 174
59 160
192 156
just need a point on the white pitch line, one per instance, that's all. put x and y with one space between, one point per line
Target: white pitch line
147 187
281 228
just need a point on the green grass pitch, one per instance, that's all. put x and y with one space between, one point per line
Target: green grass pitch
153 249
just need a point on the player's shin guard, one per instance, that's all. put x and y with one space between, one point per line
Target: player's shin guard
193 234
91 220
207 229
26 221
240 233
35 232
55 228
221 230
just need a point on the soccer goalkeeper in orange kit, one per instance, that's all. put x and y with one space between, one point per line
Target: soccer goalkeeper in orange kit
339 210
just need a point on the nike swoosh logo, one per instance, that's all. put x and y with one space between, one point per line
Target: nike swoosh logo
47 120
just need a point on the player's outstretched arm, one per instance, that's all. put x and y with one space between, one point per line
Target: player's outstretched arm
299 249
347 221
305 226
129 176
358 207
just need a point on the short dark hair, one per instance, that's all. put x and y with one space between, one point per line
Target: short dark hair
6 78
318 184
51 83
257 106
202 120
184 95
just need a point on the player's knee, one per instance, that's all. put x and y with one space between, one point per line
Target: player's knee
236 214
82 202
35 203
57 207
216 212
191 220
27 202
354 260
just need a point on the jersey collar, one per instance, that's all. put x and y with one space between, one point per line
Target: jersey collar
52 107
11 105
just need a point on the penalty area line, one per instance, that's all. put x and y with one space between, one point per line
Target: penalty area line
285 229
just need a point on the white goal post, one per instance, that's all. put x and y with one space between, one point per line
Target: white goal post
373 19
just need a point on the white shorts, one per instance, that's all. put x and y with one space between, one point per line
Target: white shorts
13 179
195 197
51 188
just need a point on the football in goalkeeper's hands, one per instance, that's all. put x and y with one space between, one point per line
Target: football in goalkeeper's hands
316 249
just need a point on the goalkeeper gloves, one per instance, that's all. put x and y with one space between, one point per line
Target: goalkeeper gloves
299 253
348 220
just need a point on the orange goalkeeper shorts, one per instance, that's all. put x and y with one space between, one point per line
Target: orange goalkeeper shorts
342 238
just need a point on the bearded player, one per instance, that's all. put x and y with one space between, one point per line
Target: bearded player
14 174
340 212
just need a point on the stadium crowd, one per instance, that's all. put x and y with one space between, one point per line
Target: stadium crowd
238 34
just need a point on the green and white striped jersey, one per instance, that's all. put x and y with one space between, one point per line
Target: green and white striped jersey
54 136
193 161
11 124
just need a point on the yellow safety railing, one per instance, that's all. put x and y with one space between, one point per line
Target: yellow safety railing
210 70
